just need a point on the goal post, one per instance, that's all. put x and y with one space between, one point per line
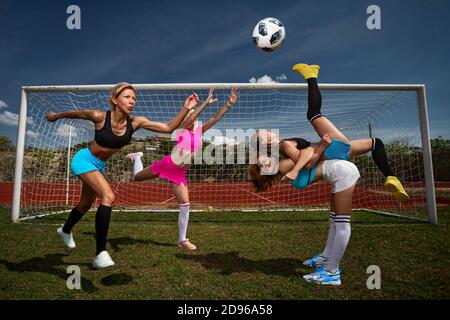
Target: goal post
260 104
427 157
20 146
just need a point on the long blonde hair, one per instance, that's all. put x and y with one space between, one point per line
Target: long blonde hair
117 90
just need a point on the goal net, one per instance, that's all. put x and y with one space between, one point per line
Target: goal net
218 177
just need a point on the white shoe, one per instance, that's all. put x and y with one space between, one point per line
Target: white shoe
67 238
322 276
131 156
103 260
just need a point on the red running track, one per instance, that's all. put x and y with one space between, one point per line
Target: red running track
215 194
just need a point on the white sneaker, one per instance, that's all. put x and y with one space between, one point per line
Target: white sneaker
322 276
103 260
67 238
131 156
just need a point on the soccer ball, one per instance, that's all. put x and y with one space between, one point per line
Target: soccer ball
268 34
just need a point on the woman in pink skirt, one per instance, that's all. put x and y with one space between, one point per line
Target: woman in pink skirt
173 167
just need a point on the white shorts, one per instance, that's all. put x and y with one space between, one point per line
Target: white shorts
341 173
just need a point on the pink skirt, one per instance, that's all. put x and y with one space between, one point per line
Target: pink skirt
167 169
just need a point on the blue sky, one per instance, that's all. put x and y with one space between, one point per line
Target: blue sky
210 41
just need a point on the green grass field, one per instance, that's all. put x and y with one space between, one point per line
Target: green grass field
240 256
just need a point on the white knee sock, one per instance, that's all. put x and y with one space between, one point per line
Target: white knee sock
341 238
326 253
183 220
137 165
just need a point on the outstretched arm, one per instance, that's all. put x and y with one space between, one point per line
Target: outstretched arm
304 157
169 127
325 142
209 100
219 114
92 115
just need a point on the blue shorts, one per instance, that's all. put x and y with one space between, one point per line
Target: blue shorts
304 178
337 150
84 161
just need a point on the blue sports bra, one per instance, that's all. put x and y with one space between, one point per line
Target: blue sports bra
305 177
106 138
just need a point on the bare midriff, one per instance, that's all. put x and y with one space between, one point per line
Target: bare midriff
101 152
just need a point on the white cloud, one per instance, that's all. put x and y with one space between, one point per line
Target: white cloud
31 134
3 105
63 130
268 79
9 119
281 77
12 119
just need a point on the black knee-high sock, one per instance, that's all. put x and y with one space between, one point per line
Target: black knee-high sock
102 219
314 100
379 156
73 218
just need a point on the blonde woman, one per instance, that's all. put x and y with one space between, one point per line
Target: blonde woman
113 130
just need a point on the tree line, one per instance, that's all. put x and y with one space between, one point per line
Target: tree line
46 165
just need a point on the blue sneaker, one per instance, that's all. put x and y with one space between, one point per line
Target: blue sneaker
316 260
317 269
322 276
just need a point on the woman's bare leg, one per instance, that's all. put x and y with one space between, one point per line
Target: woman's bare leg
181 193
144 174
342 201
314 114
324 126
139 173
361 146
97 182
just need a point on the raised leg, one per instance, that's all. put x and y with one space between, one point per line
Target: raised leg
87 197
145 174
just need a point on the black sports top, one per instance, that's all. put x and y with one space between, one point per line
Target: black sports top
106 138
301 143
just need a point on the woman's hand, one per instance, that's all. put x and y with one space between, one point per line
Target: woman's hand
191 101
326 140
233 97
51 116
210 98
291 175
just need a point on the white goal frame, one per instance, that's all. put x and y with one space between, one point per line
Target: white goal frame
418 88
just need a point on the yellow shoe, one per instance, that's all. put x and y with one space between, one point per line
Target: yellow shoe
308 71
395 186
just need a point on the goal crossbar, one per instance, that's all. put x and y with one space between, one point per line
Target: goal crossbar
244 86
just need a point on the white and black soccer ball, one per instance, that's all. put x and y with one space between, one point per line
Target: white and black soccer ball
268 34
